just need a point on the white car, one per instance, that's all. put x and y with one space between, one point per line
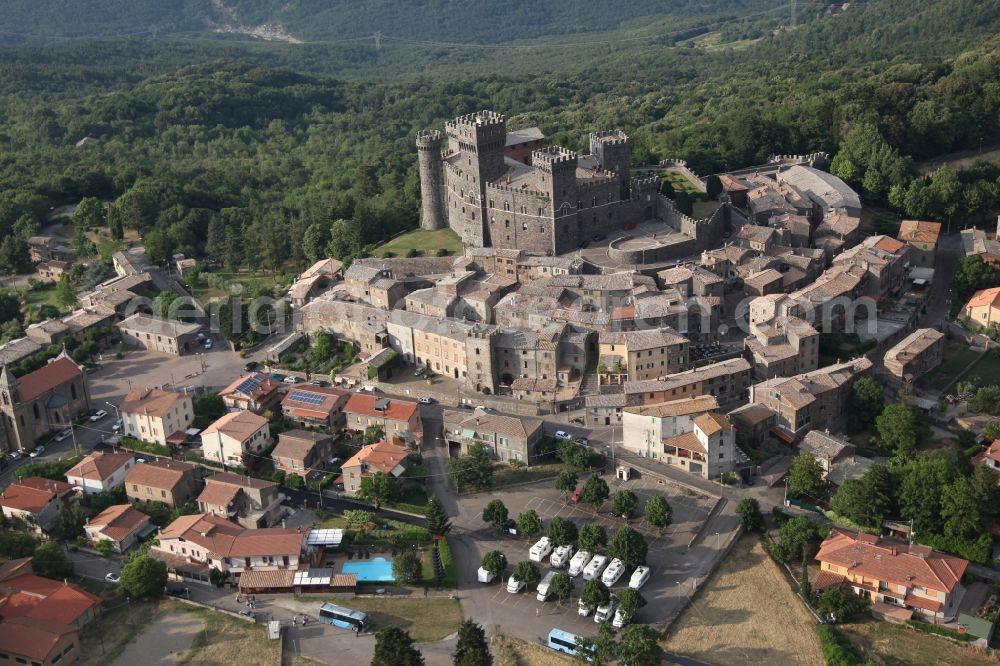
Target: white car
426 401
39 450
113 578
14 455
290 379
514 585
595 567
639 577
577 564
63 435
613 572
606 611
562 434
583 610
98 415
117 425
208 343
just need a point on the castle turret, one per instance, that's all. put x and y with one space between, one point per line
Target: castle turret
431 179
10 388
614 153
479 140
558 168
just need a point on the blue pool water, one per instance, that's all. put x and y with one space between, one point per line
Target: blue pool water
375 569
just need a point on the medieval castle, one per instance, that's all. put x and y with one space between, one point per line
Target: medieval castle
507 190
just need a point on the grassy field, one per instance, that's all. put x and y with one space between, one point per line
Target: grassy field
957 356
204 291
427 620
104 639
703 209
506 475
427 243
746 613
681 184
226 640
898 645
508 651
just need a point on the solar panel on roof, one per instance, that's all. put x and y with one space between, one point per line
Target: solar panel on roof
307 397
248 385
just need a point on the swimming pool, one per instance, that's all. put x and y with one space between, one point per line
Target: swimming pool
375 569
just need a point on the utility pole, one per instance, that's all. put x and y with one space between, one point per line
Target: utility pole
378 41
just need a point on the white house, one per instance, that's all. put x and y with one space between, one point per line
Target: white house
100 472
236 438
154 415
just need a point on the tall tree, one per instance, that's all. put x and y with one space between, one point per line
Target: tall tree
561 586
472 648
629 602
566 482
972 275
749 514
51 561
143 577
595 593
89 214
561 531
378 488
628 546
805 478
472 470
639 646
595 491
437 520
395 646
899 429
593 538
865 404
623 503
494 562
495 513
527 572
407 569
658 512
528 523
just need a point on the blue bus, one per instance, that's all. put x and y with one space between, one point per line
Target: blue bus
345 618
563 641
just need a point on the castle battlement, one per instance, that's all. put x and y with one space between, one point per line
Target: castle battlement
603 178
547 158
613 137
517 190
479 118
429 140
799 159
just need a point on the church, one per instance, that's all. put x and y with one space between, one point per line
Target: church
41 402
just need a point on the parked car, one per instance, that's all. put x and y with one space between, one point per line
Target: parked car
117 425
599 237
562 434
98 415
14 455
38 450
208 343
291 379
575 497
426 401
251 366
64 435
112 577
320 382
582 441
419 372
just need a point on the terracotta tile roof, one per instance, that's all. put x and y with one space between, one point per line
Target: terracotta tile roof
239 480
688 441
501 424
919 231
226 539
31 638
377 457
896 562
753 413
921 602
12 568
32 494
395 410
153 402
534 384
682 407
161 474
344 580
261 387
98 466
45 599
711 423
330 398
119 521
888 244
58 372
269 541
983 297
241 426
825 579
256 580
217 494
993 451
297 444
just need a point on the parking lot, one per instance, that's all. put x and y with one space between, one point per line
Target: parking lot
670 560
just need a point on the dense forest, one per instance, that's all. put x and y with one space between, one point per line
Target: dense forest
257 154
479 21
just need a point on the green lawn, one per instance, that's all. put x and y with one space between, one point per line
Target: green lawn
506 475
208 288
703 209
681 184
957 356
426 243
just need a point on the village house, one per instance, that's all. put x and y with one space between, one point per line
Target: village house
452 347
884 260
36 500
246 500
915 355
47 248
299 451
922 238
100 472
373 285
763 283
361 324
236 438
782 347
52 271
979 243
169 482
41 402
646 427
315 406
604 409
643 354
990 457
811 400
399 419
48 332
728 381
193 545
158 416
378 457
983 309
507 437
255 392
894 575
121 524
167 336
314 280
753 423
826 449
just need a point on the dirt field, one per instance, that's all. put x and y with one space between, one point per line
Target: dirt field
746 614
896 645
508 651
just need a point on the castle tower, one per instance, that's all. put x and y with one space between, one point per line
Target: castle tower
10 389
558 168
431 179
479 345
614 153
479 138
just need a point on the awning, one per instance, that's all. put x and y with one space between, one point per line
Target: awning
146 530
267 580
325 537
783 435
177 439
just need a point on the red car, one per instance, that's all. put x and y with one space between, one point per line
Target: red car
575 498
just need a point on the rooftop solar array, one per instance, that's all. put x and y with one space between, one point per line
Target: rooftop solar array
248 385
307 397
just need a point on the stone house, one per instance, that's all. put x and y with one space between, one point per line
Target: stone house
915 355
169 482
642 354
728 381
160 335
826 449
246 500
984 307
100 472
783 347
507 437
155 415
922 237
378 457
236 438
399 419
299 451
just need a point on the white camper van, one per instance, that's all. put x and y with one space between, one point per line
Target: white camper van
484 576
594 569
639 577
560 556
578 562
543 587
540 550
613 572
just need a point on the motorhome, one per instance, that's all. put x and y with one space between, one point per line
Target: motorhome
540 550
484 576
578 562
606 611
594 569
543 587
613 572
639 577
560 556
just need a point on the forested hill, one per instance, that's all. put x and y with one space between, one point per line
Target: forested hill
453 21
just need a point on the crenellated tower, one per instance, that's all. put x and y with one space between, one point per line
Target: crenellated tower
431 180
614 152
558 169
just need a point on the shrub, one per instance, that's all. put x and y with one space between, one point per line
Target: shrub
412 252
941 631
836 650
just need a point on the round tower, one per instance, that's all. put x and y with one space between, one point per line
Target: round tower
431 179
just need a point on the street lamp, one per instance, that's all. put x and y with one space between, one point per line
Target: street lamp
113 406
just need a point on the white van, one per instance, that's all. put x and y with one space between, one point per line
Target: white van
543 587
560 556
606 611
540 550
620 620
484 576
582 609
639 577
613 572
514 585
594 569
578 562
